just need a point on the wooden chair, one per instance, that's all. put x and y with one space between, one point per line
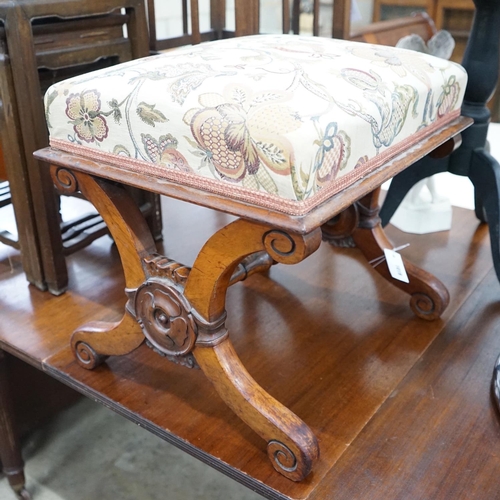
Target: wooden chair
57 49
427 5
450 5
471 159
390 32
247 21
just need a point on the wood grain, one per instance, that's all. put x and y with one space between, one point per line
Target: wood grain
328 338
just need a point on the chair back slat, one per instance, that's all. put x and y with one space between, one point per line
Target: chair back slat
341 23
295 16
286 19
316 18
185 21
195 23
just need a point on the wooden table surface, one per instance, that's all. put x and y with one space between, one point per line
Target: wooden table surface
401 406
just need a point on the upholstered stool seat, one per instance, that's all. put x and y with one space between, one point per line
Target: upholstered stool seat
283 122
293 135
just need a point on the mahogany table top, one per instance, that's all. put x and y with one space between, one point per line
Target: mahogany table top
400 406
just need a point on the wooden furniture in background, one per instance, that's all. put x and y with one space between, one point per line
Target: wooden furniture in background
3 173
247 21
454 16
450 7
390 32
34 398
378 5
481 61
38 48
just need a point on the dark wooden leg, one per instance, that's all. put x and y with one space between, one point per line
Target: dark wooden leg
479 207
17 175
429 297
485 175
405 180
10 449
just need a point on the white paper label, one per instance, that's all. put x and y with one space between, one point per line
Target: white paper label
395 265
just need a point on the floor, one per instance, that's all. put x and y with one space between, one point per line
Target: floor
124 461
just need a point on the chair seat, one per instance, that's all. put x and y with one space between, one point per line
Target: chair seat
282 122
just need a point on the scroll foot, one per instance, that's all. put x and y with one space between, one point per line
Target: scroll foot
93 342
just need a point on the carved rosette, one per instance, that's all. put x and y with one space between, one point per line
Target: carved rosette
165 317
64 180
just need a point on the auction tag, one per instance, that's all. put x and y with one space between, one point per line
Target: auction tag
395 265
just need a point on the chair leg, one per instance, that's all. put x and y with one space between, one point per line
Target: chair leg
429 297
485 175
404 181
10 449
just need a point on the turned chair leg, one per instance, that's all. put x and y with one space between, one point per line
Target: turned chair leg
485 175
10 449
361 222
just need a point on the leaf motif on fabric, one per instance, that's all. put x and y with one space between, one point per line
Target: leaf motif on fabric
236 136
149 115
250 156
182 87
265 97
266 181
211 100
121 150
272 152
360 79
233 113
250 182
239 95
316 88
51 97
49 100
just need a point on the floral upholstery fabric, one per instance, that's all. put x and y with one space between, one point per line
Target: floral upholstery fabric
279 121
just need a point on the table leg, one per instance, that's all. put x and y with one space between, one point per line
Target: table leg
10 449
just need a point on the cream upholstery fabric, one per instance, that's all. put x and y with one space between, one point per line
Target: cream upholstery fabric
280 121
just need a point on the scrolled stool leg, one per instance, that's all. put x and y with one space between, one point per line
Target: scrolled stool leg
428 296
426 307
93 342
291 445
87 357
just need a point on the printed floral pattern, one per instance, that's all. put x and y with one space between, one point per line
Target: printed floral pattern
84 112
283 117
241 132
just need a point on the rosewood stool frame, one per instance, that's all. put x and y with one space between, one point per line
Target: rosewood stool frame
180 312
